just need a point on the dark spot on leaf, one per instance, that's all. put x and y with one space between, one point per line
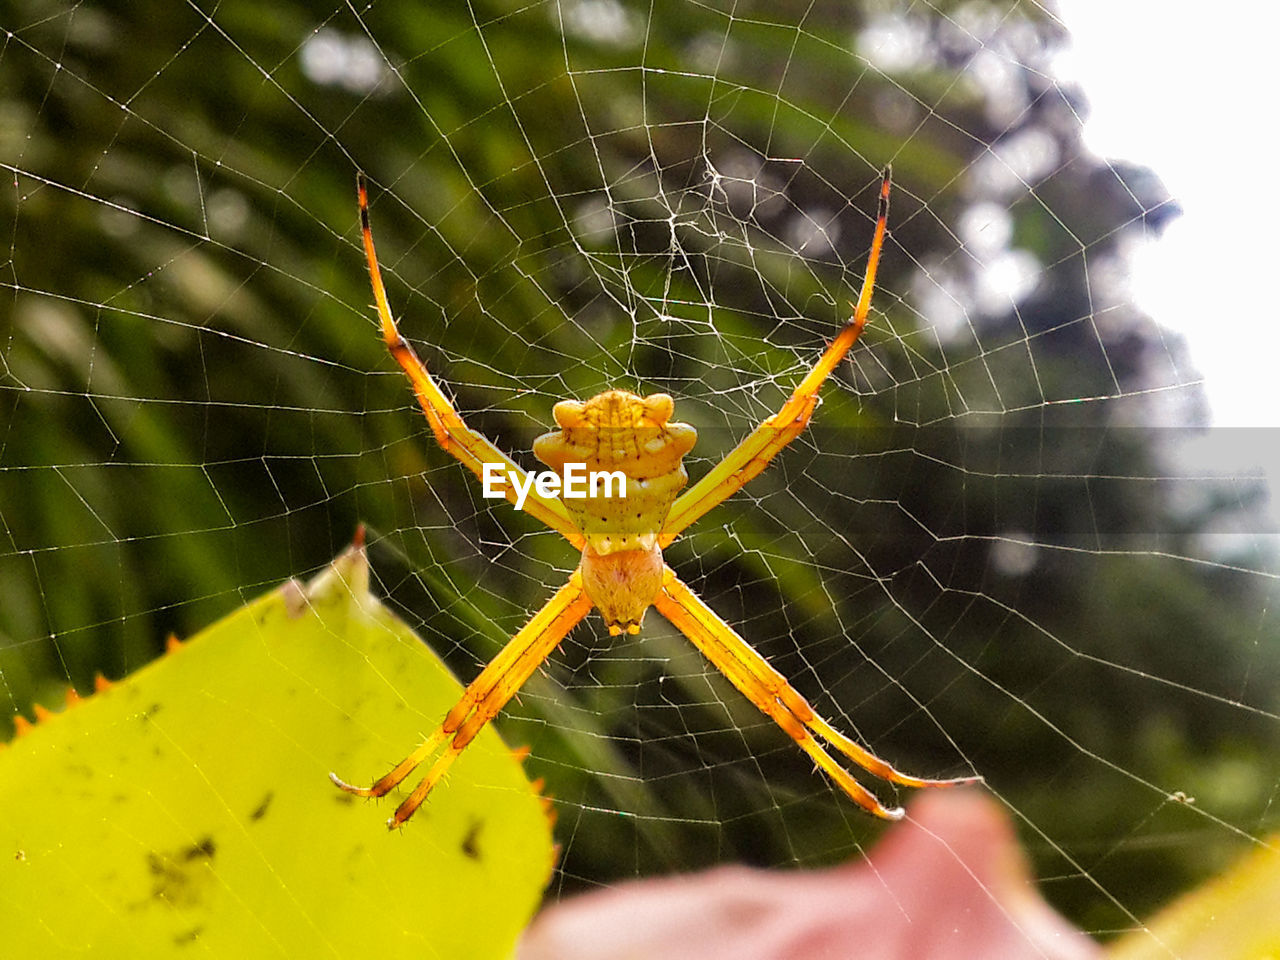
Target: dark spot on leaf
190 936
471 842
178 879
204 849
260 810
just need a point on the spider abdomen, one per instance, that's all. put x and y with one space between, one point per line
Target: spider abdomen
622 585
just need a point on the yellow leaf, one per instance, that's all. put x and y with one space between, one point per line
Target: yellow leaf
188 808
1232 917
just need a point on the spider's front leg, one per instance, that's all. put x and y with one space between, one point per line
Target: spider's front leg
764 443
472 448
481 701
777 699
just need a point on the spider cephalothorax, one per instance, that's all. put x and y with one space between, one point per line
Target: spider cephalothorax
621 533
620 431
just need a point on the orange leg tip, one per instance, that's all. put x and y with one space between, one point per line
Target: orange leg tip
401 816
357 541
521 753
172 643
72 697
100 683
21 725
42 712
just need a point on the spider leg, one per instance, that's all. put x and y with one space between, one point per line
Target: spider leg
469 446
755 451
480 702
777 699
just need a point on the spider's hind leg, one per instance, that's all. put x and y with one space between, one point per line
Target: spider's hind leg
484 697
393 778
777 699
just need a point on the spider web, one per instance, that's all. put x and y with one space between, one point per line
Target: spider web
998 549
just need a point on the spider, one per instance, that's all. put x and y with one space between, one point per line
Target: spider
622 537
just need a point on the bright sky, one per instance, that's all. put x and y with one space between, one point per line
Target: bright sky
1187 89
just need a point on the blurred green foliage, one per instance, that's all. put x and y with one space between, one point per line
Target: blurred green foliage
976 559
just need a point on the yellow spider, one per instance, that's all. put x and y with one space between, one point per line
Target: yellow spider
622 537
